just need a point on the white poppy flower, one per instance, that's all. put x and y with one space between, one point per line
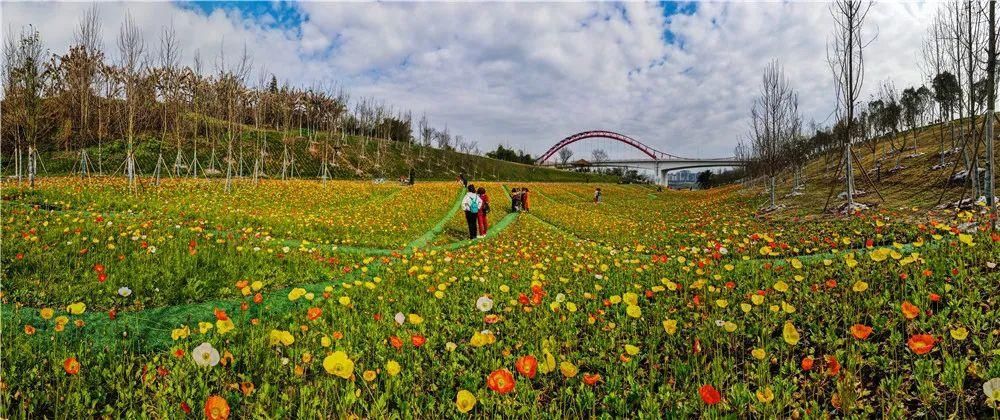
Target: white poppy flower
992 389
484 304
205 355
124 291
400 318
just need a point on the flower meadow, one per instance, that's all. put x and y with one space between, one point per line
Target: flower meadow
301 299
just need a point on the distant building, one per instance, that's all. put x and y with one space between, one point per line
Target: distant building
683 175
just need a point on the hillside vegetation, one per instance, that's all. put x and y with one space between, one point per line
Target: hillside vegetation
910 176
296 154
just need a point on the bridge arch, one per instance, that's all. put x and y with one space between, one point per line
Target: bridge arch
648 151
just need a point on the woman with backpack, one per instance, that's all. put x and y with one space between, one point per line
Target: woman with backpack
515 200
471 205
484 210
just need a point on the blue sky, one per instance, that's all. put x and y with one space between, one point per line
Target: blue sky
677 76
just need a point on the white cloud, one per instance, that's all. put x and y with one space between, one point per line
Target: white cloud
528 74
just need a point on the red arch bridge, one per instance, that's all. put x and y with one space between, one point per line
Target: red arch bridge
653 160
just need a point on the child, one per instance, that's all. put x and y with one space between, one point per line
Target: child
484 210
471 205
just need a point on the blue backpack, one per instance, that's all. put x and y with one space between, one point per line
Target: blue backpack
474 205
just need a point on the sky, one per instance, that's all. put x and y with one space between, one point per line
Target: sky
679 77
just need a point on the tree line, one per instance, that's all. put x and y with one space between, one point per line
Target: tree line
83 99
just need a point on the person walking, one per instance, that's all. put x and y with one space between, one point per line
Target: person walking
515 200
471 204
484 211
524 199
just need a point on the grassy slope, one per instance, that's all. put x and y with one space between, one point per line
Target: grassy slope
915 185
359 158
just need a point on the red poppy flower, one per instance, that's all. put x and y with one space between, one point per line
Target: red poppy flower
101 277
709 394
921 343
527 366
418 340
112 314
591 378
501 381
832 365
861 332
935 297
523 299
536 299
185 407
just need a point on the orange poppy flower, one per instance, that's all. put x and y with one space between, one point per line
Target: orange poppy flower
861 332
591 378
418 340
313 313
28 329
71 366
921 343
910 310
247 388
216 408
807 363
396 342
501 381
220 314
709 394
527 366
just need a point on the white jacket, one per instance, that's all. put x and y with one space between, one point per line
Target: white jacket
468 200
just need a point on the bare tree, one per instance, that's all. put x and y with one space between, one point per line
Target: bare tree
443 139
564 155
84 62
169 87
599 155
775 123
845 55
28 76
991 68
131 70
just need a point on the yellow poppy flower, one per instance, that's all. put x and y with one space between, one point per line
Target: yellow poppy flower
338 364
465 401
